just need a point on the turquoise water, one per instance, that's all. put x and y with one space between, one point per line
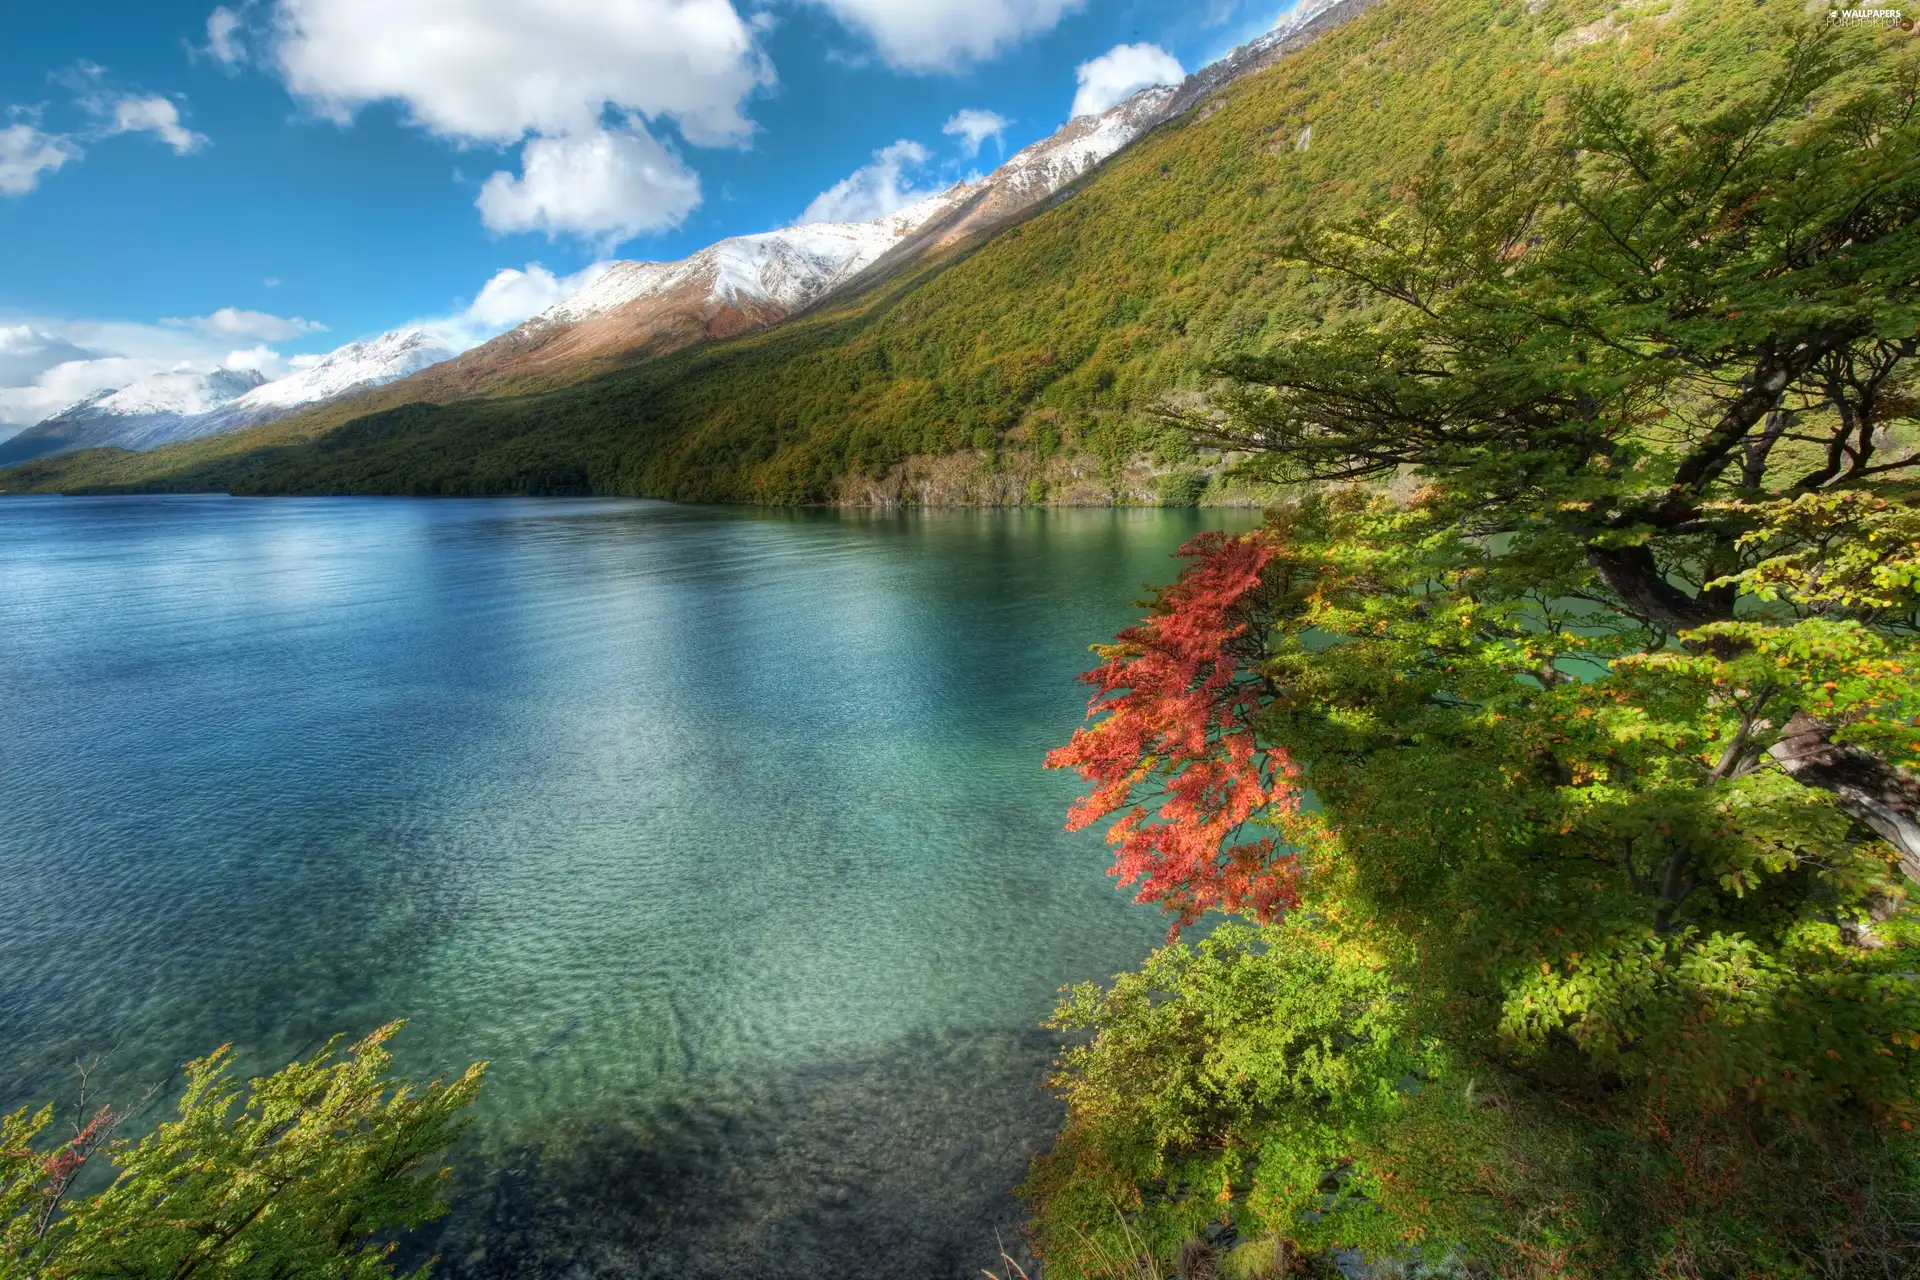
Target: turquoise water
721 834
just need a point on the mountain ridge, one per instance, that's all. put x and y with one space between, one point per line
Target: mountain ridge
639 310
1026 364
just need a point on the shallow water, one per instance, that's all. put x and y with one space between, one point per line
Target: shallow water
721 834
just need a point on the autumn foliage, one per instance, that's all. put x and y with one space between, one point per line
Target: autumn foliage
1175 703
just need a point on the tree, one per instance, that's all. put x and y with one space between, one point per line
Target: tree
1655 344
1583 746
305 1178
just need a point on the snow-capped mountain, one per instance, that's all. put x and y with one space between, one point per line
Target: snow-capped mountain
179 394
635 310
1045 167
136 416
167 408
737 284
358 364
354 367
638 309
748 281
788 268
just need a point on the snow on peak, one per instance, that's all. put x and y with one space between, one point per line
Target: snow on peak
358 365
790 267
180 391
1082 143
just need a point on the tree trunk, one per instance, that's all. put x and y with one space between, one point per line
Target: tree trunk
1864 786
1632 574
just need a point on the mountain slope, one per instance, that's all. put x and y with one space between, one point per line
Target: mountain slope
638 309
1025 364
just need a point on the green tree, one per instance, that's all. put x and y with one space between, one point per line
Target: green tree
1584 745
307 1177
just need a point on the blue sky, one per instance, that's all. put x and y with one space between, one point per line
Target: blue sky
182 183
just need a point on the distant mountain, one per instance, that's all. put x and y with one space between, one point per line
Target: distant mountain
137 416
354 367
167 408
650 308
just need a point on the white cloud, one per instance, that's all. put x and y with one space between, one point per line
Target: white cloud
549 72
974 126
224 27
232 322
939 35
46 365
119 110
1121 72
871 191
512 295
27 352
54 389
609 185
497 70
264 359
26 153
155 115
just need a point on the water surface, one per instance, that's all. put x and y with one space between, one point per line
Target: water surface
721 834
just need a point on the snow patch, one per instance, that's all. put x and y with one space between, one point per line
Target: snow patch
356 366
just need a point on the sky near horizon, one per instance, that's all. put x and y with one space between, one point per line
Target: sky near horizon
245 184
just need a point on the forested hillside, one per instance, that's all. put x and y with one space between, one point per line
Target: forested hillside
1034 361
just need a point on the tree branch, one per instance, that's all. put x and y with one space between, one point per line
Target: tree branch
1864 787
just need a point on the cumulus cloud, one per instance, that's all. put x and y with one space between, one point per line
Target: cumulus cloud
158 116
232 322
53 389
609 185
939 35
497 70
26 153
27 352
548 72
262 359
511 295
871 191
1121 72
974 126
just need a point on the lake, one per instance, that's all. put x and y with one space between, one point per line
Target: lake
722 834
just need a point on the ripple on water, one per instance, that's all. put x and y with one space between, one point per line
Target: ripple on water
721 834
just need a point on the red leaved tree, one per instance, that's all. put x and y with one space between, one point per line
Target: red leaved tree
1174 708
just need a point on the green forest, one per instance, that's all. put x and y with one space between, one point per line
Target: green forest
1060 338
1561 808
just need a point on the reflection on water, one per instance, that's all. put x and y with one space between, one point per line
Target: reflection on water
720 833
